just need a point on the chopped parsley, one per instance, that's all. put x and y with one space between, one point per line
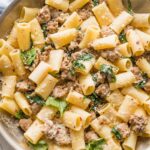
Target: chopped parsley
61 105
95 2
35 99
96 144
44 29
116 133
78 63
41 145
28 57
129 6
122 37
108 71
20 115
94 77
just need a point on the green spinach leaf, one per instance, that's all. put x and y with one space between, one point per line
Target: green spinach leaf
20 115
95 2
122 37
41 145
116 133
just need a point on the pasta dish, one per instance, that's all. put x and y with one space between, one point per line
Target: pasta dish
75 75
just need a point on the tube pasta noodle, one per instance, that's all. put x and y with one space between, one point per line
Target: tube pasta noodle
59 4
23 103
87 66
146 132
91 34
103 14
27 14
34 132
145 38
77 138
113 144
23 36
91 21
125 50
130 142
103 131
87 84
122 80
8 86
115 98
121 22
12 38
77 4
115 9
6 66
144 65
102 61
72 120
54 146
77 99
53 56
9 105
46 86
141 20
124 64
63 38
73 21
147 106
5 48
86 117
37 35
127 108
17 62
105 43
138 94
39 72
46 113
146 30
135 43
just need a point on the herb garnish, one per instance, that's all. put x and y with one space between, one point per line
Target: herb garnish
116 133
130 10
61 105
44 29
28 57
96 144
41 145
122 37
95 2
108 71
20 115
35 99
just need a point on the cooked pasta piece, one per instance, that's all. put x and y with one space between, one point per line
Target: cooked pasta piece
124 64
144 65
63 38
37 35
8 86
105 43
23 103
5 48
91 34
17 62
34 133
77 4
135 43
6 66
46 113
141 20
86 117
121 22
59 4
77 99
72 120
9 105
39 72
103 14
73 21
55 60
46 86
27 14
122 80
127 108
78 141
138 94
